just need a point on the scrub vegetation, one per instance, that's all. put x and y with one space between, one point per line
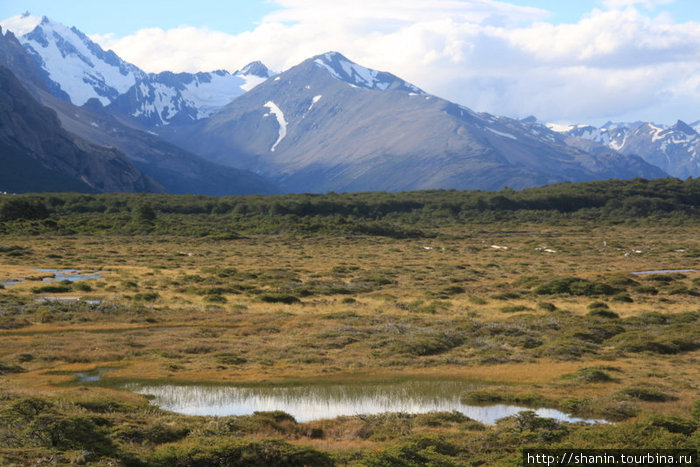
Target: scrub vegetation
533 294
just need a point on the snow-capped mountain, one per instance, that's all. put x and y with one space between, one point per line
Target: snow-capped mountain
174 169
331 124
164 98
75 67
675 149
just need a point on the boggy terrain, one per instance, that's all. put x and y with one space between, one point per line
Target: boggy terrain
537 313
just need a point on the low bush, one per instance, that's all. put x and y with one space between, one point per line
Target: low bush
576 286
647 394
230 359
199 452
422 345
603 313
589 375
61 288
675 424
279 298
146 297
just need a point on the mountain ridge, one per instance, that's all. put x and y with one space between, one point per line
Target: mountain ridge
674 148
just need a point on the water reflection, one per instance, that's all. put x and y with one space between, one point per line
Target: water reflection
314 402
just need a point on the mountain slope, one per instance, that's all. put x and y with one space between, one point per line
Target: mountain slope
330 124
178 170
37 154
675 149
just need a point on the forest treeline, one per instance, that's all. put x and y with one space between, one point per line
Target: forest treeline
372 213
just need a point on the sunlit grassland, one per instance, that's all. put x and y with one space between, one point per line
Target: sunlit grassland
472 301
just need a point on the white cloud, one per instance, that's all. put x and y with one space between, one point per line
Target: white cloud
485 54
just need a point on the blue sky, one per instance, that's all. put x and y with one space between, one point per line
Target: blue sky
125 17
564 61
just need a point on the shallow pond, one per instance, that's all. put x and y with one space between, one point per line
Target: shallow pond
313 402
58 275
72 275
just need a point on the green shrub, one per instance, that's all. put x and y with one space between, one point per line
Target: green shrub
146 297
82 287
647 394
215 298
423 345
602 313
416 452
514 308
5 369
695 411
506 296
589 375
230 359
279 298
576 286
23 209
568 348
63 288
674 424
201 452
153 434
480 396
622 298
442 418
70 432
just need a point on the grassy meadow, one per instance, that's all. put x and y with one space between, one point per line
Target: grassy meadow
531 294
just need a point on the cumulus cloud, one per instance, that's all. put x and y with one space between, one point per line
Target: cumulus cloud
485 54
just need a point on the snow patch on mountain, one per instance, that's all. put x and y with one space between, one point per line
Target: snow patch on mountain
279 115
501 133
314 100
560 128
250 81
